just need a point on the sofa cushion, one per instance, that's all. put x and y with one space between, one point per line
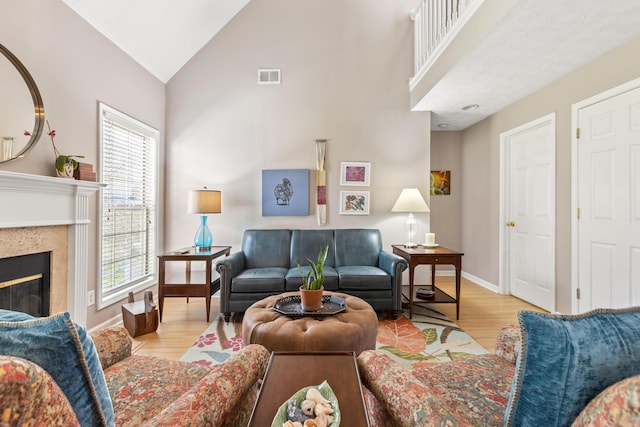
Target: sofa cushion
266 248
67 353
618 405
567 360
265 279
473 391
294 278
307 244
142 386
357 246
363 278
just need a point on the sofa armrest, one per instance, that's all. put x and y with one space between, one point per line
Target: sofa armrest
30 396
228 268
218 395
617 405
393 264
113 344
231 265
509 343
407 401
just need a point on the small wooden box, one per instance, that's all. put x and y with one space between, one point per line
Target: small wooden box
140 317
84 172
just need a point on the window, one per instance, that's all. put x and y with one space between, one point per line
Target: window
128 206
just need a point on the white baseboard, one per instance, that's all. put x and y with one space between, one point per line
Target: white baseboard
115 320
471 277
488 285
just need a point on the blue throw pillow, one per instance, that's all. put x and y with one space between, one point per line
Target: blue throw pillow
68 354
567 360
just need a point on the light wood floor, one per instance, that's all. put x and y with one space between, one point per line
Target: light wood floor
482 314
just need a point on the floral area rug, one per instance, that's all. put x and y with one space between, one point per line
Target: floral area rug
429 337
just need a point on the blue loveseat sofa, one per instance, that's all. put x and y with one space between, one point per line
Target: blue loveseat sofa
267 264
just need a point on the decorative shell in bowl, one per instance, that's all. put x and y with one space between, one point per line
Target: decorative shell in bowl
313 406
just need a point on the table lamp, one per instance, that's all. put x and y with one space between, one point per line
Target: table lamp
410 200
204 202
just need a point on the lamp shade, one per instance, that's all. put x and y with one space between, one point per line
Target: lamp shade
410 200
204 201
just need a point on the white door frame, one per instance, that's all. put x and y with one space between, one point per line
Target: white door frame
503 272
575 109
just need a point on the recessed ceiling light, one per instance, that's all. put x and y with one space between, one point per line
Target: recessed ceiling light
470 107
443 125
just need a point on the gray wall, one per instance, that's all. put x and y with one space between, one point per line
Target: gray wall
446 211
74 67
345 71
480 161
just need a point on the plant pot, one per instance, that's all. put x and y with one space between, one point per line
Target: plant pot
311 300
67 170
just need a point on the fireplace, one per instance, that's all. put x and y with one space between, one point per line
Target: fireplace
25 283
50 214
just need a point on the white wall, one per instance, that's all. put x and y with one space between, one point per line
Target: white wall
74 67
345 71
481 159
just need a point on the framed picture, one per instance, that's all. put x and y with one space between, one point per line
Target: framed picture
440 183
354 203
355 173
285 192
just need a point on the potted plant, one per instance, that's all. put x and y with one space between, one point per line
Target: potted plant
311 290
65 164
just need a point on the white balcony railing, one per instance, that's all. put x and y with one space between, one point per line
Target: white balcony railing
434 24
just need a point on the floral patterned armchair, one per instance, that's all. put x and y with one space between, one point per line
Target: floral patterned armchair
477 390
469 391
145 390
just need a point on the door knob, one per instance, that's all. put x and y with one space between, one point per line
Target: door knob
511 224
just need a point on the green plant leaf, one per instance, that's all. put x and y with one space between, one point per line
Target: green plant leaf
61 160
405 354
314 279
430 335
459 355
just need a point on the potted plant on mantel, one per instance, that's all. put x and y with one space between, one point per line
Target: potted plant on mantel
65 164
311 290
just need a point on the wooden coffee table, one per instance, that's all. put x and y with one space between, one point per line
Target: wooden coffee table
289 372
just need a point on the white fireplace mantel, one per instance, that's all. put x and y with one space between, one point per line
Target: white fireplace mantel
33 201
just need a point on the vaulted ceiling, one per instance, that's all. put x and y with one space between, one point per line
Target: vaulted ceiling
162 35
535 43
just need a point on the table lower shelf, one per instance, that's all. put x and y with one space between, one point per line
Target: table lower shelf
439 297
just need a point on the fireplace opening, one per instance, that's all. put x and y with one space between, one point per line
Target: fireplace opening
25 283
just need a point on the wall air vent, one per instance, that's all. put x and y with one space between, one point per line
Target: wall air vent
268 76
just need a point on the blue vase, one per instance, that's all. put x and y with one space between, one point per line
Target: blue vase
203 239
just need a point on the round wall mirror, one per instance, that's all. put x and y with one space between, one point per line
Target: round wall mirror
21 108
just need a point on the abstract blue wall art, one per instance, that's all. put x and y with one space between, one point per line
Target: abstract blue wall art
285 192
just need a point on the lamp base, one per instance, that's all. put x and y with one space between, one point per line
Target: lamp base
203 238
410 245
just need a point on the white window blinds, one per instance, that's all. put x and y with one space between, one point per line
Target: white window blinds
128 206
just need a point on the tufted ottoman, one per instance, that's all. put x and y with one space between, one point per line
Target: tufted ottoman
355 329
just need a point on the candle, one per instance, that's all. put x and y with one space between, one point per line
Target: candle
430 238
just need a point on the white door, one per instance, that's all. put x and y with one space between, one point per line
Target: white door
608 202
528 240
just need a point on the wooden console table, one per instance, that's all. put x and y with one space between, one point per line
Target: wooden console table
186 285
289 372
433 256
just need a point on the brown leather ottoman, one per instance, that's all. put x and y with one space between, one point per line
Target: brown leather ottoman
355 329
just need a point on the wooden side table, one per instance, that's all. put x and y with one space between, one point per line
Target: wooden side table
188 285
422 255
289 372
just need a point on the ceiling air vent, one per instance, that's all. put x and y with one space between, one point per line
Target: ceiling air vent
268 76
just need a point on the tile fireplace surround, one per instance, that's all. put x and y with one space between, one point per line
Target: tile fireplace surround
42 213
